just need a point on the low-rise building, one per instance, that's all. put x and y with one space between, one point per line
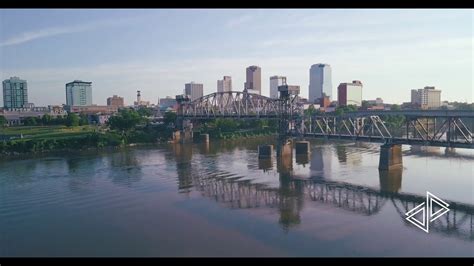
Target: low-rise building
16 116
426 98
93 109
168 104
115 101
377 101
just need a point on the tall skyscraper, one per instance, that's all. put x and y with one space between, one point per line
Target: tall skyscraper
79 93
225 84
276 81
253 81
350 93
15 93
427 97
194 90
319 81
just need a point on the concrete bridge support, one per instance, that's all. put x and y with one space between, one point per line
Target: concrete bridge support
302 147
204 138
183 136
390 157
265 151
285 157
177 136
285 149
265 164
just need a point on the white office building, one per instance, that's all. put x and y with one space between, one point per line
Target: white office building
224 84
276 81
319 82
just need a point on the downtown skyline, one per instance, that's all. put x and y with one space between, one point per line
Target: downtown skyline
158 51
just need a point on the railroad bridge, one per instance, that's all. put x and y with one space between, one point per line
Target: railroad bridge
443 128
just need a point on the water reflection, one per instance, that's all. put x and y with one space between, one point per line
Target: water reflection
128 163
390 180
321 162
289 197
265 164
73 164
354 207
183 155
346 157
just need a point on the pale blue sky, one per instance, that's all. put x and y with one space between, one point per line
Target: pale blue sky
158 50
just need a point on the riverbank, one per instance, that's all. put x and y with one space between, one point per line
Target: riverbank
45 140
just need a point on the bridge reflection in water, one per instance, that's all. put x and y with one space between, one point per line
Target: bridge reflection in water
235 191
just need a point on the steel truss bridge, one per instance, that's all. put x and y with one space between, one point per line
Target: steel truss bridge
444 128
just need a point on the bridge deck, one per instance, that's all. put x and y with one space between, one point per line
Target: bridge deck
395 140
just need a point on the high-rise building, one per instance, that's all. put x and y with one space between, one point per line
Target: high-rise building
275 82
428 97
115 101
193 90
253 81
225 84
319 81
15 93
350 93
79 93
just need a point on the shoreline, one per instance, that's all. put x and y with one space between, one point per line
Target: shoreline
27 155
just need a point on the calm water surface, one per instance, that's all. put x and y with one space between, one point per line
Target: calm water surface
220 200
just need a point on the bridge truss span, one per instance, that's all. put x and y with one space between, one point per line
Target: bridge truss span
432 128
231 104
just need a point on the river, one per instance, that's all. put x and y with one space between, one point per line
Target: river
220 200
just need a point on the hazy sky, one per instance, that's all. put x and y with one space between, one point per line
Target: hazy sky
157 51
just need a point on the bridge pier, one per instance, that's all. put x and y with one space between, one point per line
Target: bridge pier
176 136
204 138
183 136
285 157
265 151
302 147
284 149
265 163
390 157
302 159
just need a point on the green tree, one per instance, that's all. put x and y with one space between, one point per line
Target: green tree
46 119
72 120
310 111
169 117
145 111
344 109
395 107
3 121
125 120
83 119
30 121
365 104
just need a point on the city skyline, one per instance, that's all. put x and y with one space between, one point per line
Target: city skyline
390 51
